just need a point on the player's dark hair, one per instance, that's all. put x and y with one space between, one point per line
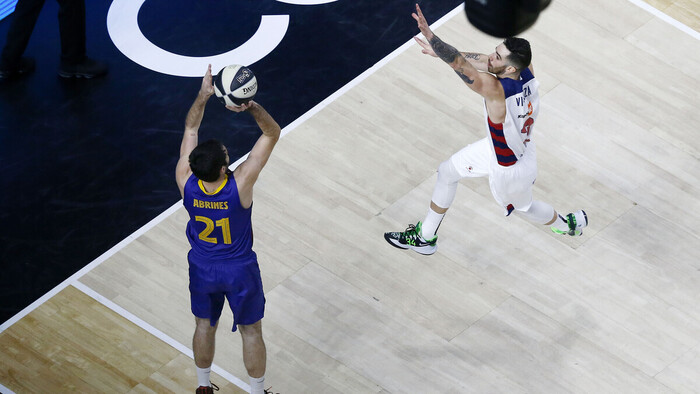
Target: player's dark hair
520 53
207 159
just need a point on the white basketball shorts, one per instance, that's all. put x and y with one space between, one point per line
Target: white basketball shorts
511 187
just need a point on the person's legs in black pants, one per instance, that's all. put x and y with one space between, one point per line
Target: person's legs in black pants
24 18
74 62
71 22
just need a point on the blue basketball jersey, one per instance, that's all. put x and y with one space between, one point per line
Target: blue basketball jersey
219 229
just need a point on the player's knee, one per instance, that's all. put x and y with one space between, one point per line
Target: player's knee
539 212
205 324
447 173
251 330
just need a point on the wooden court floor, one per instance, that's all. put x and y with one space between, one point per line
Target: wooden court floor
504 306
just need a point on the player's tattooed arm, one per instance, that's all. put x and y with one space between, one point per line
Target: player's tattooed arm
454 58
465 78
445 51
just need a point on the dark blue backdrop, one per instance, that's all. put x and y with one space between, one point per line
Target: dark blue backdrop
86 163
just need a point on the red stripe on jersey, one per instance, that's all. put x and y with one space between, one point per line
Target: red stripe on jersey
497 126
506 153
499 138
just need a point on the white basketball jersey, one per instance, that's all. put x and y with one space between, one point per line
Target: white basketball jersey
509 139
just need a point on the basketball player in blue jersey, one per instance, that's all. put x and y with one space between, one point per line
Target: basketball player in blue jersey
506 81
222 262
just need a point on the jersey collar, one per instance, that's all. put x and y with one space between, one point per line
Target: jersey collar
218 189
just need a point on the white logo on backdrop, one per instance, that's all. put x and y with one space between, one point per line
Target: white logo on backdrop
123 28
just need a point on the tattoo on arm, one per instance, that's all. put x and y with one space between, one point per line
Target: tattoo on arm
465 78
472 55
446 52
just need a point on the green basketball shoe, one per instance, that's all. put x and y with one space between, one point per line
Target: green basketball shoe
412 239
576 221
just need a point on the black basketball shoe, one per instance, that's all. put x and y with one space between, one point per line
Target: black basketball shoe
412 239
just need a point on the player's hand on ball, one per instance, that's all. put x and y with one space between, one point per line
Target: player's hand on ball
242 107
427 49
207 88
235 84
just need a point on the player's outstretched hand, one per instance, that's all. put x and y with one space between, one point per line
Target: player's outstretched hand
422 23
242 107
427 49
207 88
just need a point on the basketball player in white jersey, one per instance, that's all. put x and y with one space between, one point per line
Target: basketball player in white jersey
506 81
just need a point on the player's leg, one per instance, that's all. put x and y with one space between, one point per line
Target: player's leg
520 197
542 213
444 193
203 346
422 236
512 188
254 355
247 302
471 161
207 310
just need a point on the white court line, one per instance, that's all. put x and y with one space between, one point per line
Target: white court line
156 332
5 390
73 279
657 13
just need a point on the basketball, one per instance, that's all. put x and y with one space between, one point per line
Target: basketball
235 85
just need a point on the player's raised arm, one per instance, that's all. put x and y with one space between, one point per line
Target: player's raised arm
482 83
247 173
191 136
480 61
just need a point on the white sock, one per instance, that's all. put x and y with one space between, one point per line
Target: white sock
257 385
560 224
430 224
203 375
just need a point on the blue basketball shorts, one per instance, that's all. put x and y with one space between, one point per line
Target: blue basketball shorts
240 284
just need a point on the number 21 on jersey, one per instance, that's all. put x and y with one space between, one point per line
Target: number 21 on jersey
225 229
